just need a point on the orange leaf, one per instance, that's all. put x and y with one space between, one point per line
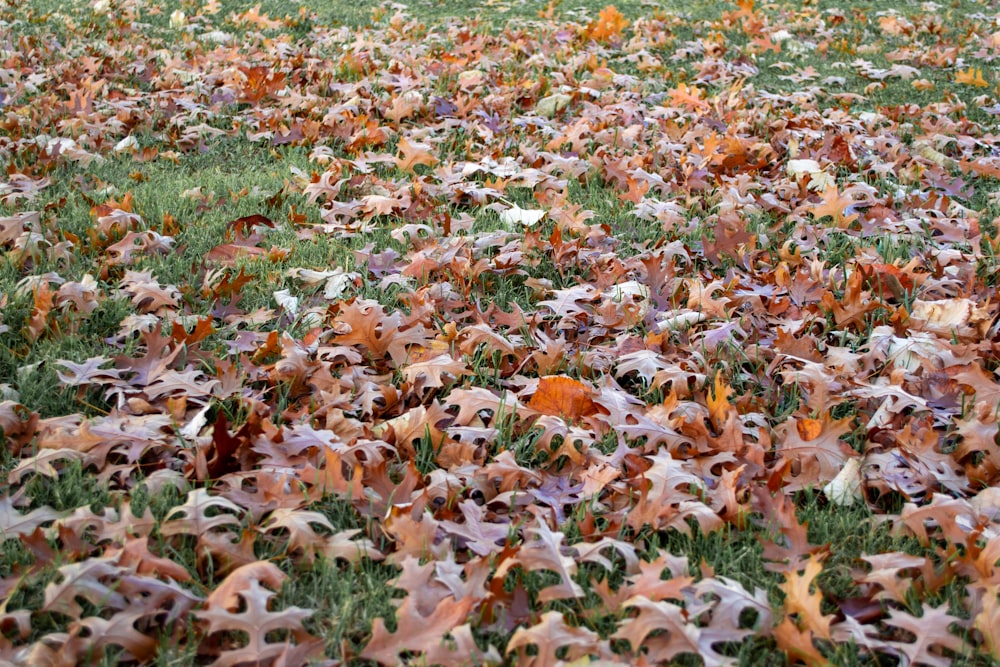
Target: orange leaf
43 298
971 77
563 397
609 25
809 429
800 600
718 401
797 644
686 96
834 204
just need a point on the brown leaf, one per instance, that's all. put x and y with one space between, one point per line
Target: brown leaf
564 397
414 632
932 636
550 635
257 622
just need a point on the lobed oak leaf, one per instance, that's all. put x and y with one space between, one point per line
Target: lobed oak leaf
675 634
887 573
718 403
298 524
816 460
798 644
508 473
366 323
403 106
571 301
44 299
120 630
227 550
345 545
14 524
137 557
413 154
416 537
931 636
609 25
543 550
650 584
732 609
415 632
954 517
432 370
192 384
94 580
330 478
887 280
12 227
18 425
256 621
549 636
564 397
835 205
590 552
478 535
799 600
688 97
987 621
793 548
973 76
192 517
226 594
987 390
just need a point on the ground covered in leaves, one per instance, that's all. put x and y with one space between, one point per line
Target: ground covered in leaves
530 334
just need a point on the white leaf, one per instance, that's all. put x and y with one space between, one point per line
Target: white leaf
336 285
679 320
287 301
177 19
193 427
845 488
526 217
128 144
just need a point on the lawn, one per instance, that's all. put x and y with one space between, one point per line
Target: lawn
499 332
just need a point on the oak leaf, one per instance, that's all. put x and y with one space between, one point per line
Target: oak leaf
413 154
367 324
550 635
120 630
257 621
415 632
609 25
931 635
973 76
564 397
801 601
192 517
543 550
432 370
14 524
93 580
676 634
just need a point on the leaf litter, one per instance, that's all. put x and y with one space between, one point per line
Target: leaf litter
796 294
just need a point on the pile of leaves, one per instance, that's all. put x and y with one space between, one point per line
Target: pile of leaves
609 278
